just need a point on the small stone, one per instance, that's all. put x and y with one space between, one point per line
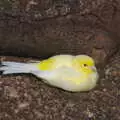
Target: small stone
104 90
11 92
23 105
90 114
107 71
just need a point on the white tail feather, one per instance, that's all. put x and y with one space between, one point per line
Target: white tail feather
17 67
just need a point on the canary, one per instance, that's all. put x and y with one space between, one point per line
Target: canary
68 72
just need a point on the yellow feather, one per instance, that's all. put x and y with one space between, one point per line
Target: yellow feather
46 64
55 62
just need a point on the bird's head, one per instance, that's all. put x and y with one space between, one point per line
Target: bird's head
84 63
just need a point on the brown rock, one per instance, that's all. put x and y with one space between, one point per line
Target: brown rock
43 28
106 44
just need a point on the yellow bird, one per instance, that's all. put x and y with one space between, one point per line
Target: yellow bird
68 72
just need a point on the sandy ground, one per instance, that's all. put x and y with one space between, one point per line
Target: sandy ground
24 97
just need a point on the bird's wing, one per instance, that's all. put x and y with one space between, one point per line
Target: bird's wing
55 62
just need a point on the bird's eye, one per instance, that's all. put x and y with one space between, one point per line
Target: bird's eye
85 65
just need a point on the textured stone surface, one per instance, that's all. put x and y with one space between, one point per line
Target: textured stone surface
105 46
43 28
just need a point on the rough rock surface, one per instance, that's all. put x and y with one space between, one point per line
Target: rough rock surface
43 28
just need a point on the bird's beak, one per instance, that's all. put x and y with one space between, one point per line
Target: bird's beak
93 68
